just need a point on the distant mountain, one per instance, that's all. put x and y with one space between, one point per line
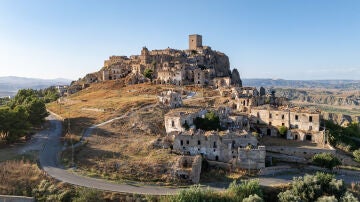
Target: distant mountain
281 83
9 85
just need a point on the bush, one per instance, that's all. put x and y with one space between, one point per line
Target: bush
210 122
356 155
312 187
282 131
327 199
326 160
240 191
88 195
194 193
253 198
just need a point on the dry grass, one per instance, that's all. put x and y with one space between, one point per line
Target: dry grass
19 177
122 150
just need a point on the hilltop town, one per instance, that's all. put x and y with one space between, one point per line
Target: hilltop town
198 65
191 107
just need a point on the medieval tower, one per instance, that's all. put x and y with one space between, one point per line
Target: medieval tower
195 41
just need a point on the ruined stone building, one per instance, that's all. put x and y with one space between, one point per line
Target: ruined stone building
170 99
235 147
302 124
199 65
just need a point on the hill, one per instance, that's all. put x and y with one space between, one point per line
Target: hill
9 85
282 83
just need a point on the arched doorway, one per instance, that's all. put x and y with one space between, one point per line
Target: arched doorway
268 132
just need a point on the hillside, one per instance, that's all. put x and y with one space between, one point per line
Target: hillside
282 83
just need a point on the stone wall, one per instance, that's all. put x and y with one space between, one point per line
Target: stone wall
251 158
8 198
305 152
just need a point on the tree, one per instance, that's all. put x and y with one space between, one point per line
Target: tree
37 111
148 73
282 131
210 122
326 160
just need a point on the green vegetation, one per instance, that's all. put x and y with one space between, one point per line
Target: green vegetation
326 160
282 131
26 110
210 122
318 187
4 100
342 137
246 190
148 73
356 155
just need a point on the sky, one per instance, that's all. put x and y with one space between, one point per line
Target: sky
279 39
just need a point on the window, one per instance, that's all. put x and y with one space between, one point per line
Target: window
283 116
172 123
269 123
181 142
310 127
296 117
187 141
283 124
258 115
270 116
310 119
214 144
199 142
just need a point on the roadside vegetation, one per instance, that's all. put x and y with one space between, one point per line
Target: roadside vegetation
22 113
326 160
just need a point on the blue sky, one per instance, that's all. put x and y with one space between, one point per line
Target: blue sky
291 39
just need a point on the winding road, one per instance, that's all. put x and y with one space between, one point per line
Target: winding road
49 160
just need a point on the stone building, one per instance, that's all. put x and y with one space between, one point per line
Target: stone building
303 124
235 147
170 99
199 65
181 119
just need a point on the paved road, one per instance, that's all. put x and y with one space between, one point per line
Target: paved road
49 161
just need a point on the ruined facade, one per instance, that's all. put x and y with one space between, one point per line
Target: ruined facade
170 99
199 65
234 146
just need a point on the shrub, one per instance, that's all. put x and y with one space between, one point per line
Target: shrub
210 122
349 197
326 160
240 191
356 155
327 199
88 195
312 187
253 198
194 193
282 131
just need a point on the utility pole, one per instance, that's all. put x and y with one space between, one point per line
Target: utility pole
71 141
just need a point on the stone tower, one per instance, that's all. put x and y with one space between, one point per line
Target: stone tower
195 41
